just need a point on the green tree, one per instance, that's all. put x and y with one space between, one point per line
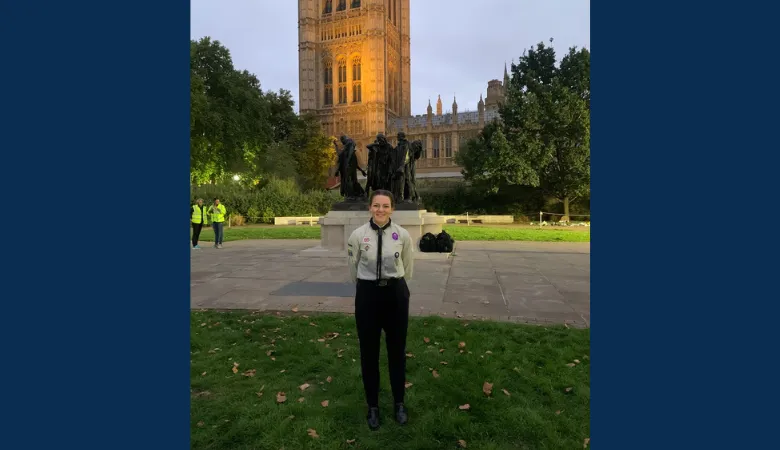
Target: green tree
228 112
313 151
543 139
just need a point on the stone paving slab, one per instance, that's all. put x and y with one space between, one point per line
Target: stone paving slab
525 282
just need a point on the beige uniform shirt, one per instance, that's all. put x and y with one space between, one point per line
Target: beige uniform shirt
397 253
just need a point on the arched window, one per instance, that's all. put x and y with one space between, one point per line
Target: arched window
342 81
342 5
328 7
357 94
355 4
327 78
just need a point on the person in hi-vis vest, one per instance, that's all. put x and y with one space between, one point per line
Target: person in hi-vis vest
199 217
217 213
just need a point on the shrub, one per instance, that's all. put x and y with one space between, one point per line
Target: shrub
276 197
236 220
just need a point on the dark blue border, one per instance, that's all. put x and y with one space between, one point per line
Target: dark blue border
95 164
685 308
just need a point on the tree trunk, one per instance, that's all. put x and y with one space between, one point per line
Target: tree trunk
566 209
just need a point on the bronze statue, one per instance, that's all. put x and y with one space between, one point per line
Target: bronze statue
400 161
379 163
347 170
410 173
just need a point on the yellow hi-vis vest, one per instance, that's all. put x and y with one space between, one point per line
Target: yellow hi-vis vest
197 216
217 213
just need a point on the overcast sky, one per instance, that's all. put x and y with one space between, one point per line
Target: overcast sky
457 45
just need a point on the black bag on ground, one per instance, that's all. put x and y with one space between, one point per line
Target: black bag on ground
444 242
428 243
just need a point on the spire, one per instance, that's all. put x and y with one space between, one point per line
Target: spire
430 109
506 74
438 106
454 105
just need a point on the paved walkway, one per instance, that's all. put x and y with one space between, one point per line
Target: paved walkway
535 282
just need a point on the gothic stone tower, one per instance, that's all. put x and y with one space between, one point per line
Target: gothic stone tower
354 65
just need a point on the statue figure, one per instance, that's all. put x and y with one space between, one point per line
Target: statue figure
400 162
347 170
410 173
379 163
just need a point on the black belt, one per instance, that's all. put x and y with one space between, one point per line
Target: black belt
382 282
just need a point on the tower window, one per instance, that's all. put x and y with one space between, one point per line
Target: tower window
355 4
357 96
342 5
436 146
342 81
328 7
327 77
448 146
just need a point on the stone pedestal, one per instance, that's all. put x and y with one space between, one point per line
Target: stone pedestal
337 226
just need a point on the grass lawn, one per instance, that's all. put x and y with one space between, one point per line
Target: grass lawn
459 232
546 404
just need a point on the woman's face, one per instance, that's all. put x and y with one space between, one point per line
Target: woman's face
381 208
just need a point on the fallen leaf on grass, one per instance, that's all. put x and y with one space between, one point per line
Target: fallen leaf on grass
558 413
487 388
301 400
462 443
576 361
426 340
235 367
324 403
585 443
460 316
329 379
294 309
304 386
273 358
269 353
259 394
320 340
203 374
249 373
312 324
570 365
248 331
444 363
200 424
407 385
283 371
435 374
332 336
441 350
281 397
568 389
313 433
409 355
488 352
203 324
350 441
461 344
465 407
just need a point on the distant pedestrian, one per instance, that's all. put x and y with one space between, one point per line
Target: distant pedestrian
199 217
217 214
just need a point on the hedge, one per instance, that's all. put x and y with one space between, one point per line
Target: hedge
277 198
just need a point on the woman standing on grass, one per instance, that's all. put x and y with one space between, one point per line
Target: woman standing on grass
380 262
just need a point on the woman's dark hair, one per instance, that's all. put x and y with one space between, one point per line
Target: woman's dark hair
387 194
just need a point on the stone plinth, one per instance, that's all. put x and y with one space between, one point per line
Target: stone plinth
337 226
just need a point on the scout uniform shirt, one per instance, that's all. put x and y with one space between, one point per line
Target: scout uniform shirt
396 255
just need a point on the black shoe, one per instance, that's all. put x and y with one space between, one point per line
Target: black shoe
373 418
400 414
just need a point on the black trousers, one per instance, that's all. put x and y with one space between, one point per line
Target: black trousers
196 227
380 308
